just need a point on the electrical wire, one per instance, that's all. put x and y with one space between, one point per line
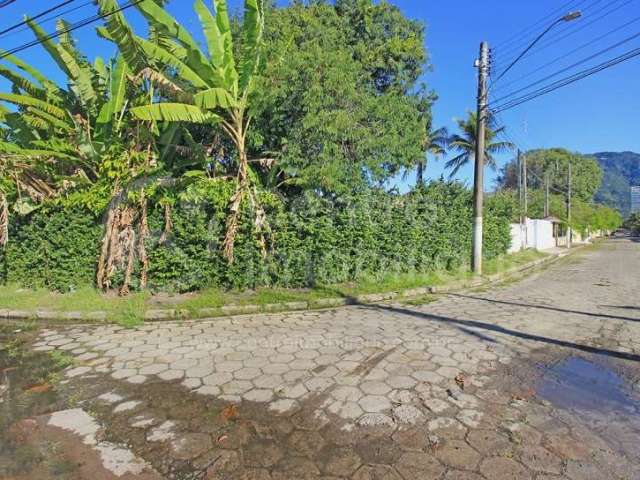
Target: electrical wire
519 37
570 67
577 27
52 17
37 16
585 13
6 3
567 80
71 28
509 138
568 54
514 50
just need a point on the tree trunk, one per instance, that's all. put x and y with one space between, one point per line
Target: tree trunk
4 220
235 205
143 233
420 173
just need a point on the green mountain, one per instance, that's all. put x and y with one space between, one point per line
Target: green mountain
621 170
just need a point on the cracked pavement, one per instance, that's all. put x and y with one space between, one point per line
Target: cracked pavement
446 390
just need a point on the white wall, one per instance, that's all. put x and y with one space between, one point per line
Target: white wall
542 235
517 238
536 234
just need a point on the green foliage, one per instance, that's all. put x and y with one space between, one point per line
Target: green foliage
60 359
621 171
54 248
335 103
585 216
586 174
465 143
316 240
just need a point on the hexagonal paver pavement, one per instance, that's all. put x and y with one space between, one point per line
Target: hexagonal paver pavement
426 385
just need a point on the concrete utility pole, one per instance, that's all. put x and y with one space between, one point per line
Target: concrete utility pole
546 194
525 185
478 185
520 210
569 231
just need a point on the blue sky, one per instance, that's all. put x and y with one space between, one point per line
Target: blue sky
597 114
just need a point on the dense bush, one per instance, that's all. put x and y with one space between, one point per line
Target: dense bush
314 240
54 248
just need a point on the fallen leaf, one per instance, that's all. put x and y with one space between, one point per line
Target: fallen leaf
45 387
230 412
460 380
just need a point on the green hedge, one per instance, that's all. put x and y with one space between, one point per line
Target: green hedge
314 240
53 248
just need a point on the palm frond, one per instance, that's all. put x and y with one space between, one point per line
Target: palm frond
457 163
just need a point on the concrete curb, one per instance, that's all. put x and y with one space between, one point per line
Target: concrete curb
154 315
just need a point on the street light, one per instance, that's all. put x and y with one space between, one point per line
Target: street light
483 107
569 17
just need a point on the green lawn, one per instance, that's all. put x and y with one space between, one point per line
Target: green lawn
130 310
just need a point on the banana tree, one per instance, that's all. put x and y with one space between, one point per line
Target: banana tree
62 130
217 84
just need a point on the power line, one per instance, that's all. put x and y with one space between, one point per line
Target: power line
69 29
39 15
562 57
52 17
570 67
6 3
568 29
578 27
509 138
568 80
514 49
519 37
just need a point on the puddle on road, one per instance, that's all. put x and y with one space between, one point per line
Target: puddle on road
580 385
26 390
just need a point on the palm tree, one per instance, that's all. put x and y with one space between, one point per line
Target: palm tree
208 86
465 143
434 143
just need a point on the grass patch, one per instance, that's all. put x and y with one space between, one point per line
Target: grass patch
60 359
129 311
508 262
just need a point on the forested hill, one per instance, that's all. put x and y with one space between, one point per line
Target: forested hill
621 170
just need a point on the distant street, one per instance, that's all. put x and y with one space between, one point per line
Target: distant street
499 384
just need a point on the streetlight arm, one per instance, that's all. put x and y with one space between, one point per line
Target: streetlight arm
567 18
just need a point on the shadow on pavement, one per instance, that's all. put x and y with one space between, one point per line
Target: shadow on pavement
467 326
545 307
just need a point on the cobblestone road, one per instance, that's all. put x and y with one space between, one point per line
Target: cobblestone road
444 390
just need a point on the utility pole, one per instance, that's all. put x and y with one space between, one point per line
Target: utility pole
569 232
546 194
520 210
523 235
525 185
478 185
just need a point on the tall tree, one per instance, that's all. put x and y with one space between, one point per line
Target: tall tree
554 162
465 143
338 107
